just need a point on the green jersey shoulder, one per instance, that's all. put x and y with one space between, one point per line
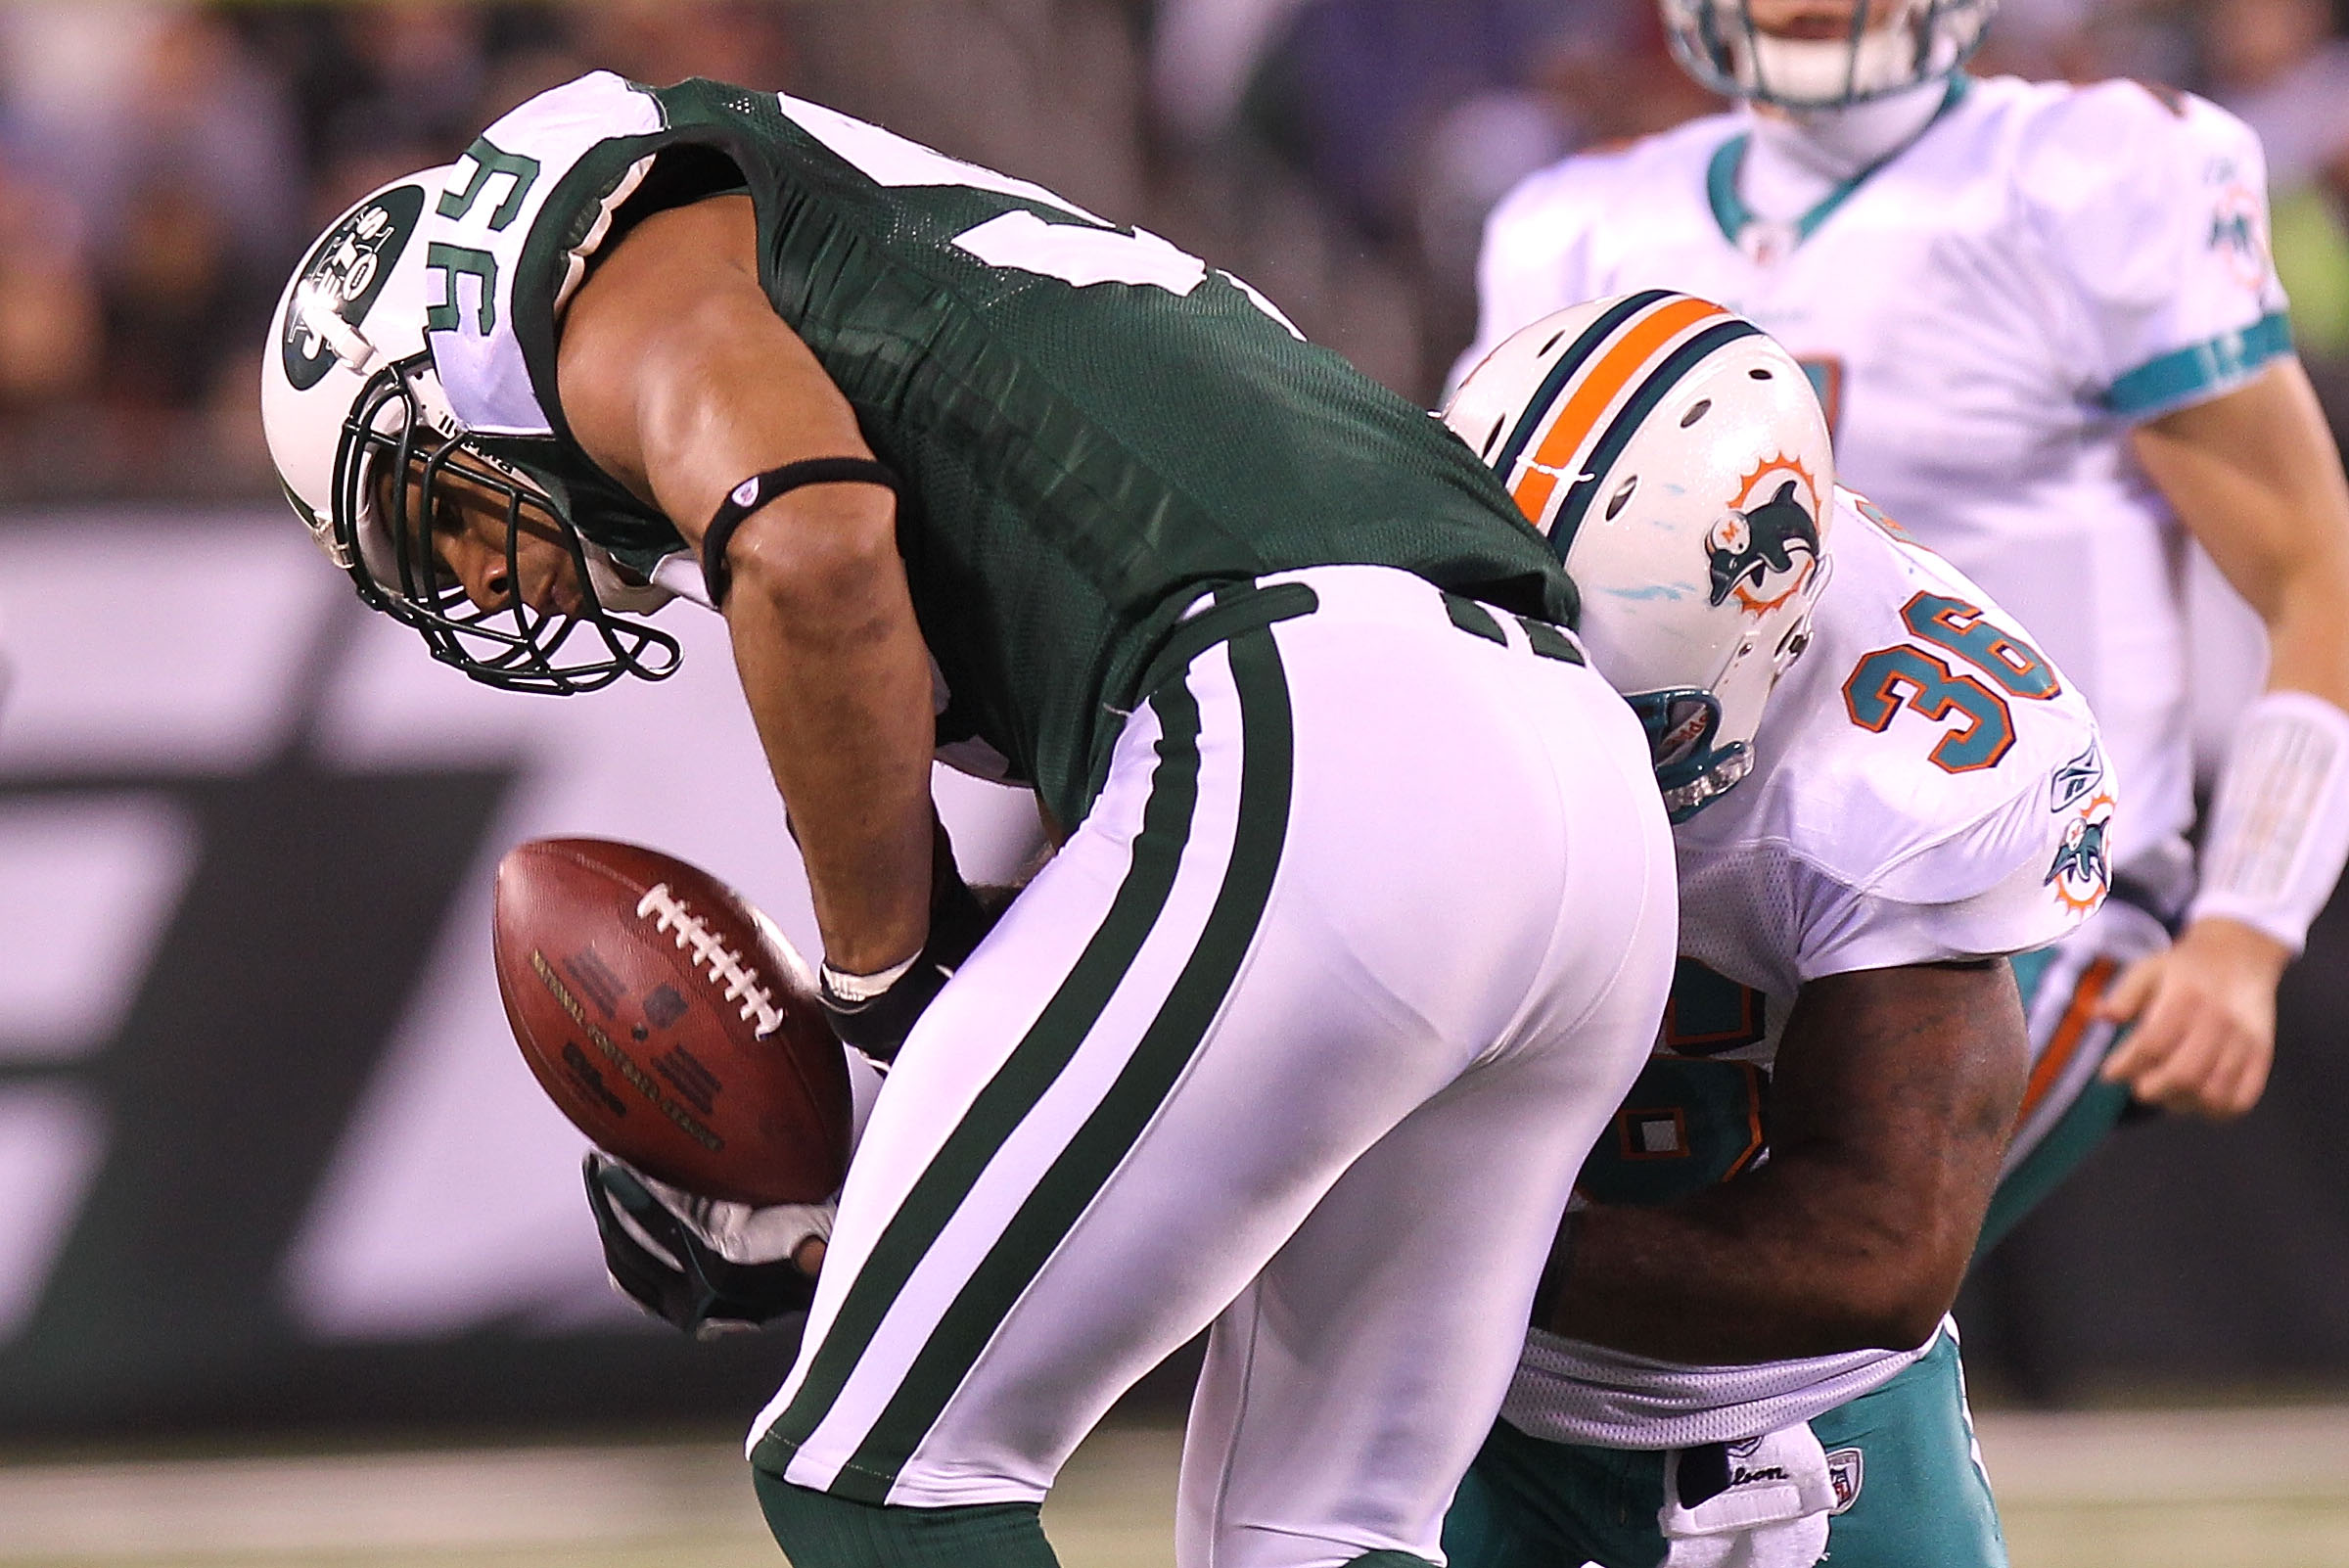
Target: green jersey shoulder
1091 426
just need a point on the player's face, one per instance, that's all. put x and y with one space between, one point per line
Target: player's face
494 563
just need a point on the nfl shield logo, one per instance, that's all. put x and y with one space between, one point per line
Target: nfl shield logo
1844 1473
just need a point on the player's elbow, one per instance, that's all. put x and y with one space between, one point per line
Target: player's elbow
820 550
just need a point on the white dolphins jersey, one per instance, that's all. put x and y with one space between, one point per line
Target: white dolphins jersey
1985 313
1927 787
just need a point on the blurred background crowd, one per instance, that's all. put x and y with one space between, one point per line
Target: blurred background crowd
161 163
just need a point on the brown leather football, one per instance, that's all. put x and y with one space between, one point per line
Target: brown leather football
670 1020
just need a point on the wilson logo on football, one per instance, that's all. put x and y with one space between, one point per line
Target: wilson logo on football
1762 554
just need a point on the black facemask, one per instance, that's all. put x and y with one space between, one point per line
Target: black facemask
511 645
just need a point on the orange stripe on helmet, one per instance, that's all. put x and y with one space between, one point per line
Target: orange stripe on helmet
1639 344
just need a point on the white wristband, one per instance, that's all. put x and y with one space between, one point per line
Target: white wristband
2280 820
865 987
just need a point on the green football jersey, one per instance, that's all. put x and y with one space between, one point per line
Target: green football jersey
1091 427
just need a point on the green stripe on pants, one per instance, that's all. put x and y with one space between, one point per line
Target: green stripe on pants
1032 1065
1149 1075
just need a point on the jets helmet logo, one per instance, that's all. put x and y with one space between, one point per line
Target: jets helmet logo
1763 555
2083 867
343 276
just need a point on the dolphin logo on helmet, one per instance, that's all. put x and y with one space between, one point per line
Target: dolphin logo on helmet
1747 548
1618 425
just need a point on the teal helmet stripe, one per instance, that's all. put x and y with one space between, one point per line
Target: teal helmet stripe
1631 416
1570 363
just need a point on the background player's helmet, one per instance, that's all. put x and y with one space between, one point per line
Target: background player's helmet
1888 45
1677 460
364 443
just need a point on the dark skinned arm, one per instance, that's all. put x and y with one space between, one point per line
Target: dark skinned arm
680 380
1891 1104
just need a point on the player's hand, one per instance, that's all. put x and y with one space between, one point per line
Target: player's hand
2205 1015
877 1023
704 1265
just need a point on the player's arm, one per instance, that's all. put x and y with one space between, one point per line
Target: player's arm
680 380
2255 475
1893 1096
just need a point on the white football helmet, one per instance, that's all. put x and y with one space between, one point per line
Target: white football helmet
1888 45
362 439
1677 460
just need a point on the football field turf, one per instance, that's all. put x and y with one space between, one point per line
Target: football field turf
2212 1488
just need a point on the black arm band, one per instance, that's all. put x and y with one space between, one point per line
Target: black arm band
759 489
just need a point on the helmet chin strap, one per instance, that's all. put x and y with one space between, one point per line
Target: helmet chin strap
680 575
616 590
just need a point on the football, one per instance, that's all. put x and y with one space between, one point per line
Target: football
669 1020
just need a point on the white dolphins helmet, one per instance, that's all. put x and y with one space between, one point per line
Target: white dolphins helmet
1677 460
1887 46
361 437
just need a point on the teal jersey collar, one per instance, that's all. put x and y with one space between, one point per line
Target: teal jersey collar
1735 217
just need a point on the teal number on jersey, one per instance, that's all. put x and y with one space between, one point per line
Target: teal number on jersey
1708 1013
1688 1124
1889 679
2004 657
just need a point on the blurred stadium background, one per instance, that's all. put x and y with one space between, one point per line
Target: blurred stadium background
292 1265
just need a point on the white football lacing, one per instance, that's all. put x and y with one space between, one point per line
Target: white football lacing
724 964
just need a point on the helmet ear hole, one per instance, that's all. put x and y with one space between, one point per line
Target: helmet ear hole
1691 602
1500 424
1622 497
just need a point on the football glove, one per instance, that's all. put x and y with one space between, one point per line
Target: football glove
875 1013
704 1265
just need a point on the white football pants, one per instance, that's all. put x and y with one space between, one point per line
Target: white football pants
1304 1033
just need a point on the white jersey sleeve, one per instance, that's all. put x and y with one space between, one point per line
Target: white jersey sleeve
1535 255
1554 239
2151 206
1928 788
1981 890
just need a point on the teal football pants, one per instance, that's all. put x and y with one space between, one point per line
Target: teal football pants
2067 1109
1920 1499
